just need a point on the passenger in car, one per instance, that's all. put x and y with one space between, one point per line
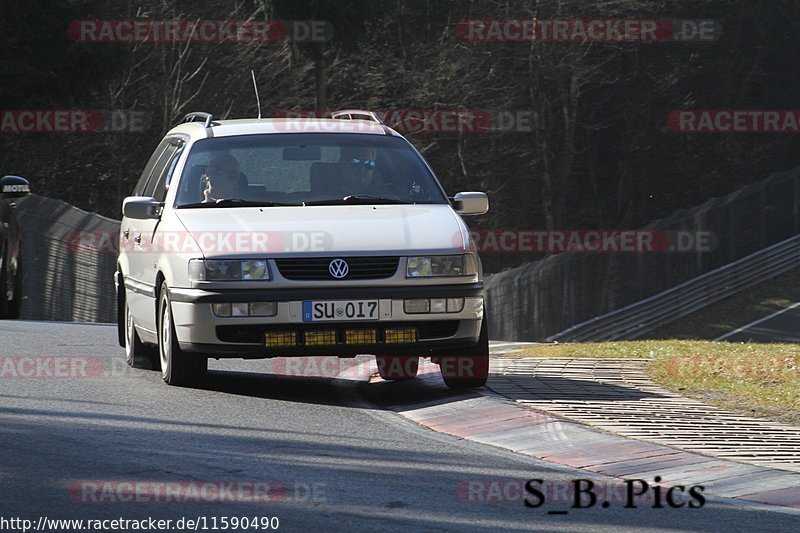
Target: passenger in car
222 179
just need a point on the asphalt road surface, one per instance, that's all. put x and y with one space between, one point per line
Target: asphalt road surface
83 437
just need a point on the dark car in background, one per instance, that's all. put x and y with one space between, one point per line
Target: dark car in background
11 189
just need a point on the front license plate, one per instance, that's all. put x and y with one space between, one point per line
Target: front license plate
328 310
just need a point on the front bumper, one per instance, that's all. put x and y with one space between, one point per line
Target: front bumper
199 330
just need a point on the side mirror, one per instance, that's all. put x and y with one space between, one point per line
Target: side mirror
14 187
141 207
471 203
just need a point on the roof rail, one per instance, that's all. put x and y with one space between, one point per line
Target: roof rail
192 117
356 114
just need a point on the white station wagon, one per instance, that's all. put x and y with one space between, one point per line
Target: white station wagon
263 238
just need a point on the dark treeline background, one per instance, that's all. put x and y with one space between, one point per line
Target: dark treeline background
599 153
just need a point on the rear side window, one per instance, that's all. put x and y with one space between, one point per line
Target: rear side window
163 169
148 169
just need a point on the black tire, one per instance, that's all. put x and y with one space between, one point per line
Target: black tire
177 367
137 353
467 368
15 305
397 367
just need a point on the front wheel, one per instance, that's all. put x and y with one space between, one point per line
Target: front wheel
467 368
177 367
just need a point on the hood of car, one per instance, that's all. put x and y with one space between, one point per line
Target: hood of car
325 230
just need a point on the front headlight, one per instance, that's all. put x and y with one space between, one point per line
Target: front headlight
225 270
441 265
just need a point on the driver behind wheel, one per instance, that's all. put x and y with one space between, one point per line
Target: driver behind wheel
222 179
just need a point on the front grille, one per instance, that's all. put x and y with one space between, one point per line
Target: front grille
316 268
254 333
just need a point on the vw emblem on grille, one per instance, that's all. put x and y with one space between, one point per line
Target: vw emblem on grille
338 268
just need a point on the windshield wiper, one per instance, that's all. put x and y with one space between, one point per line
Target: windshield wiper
358 199
235 202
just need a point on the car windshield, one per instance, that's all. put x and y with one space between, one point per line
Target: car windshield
305 169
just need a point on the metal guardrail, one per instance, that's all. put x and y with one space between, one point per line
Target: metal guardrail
539 299
67 276
634 320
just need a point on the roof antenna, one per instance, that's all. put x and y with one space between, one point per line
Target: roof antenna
258 100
